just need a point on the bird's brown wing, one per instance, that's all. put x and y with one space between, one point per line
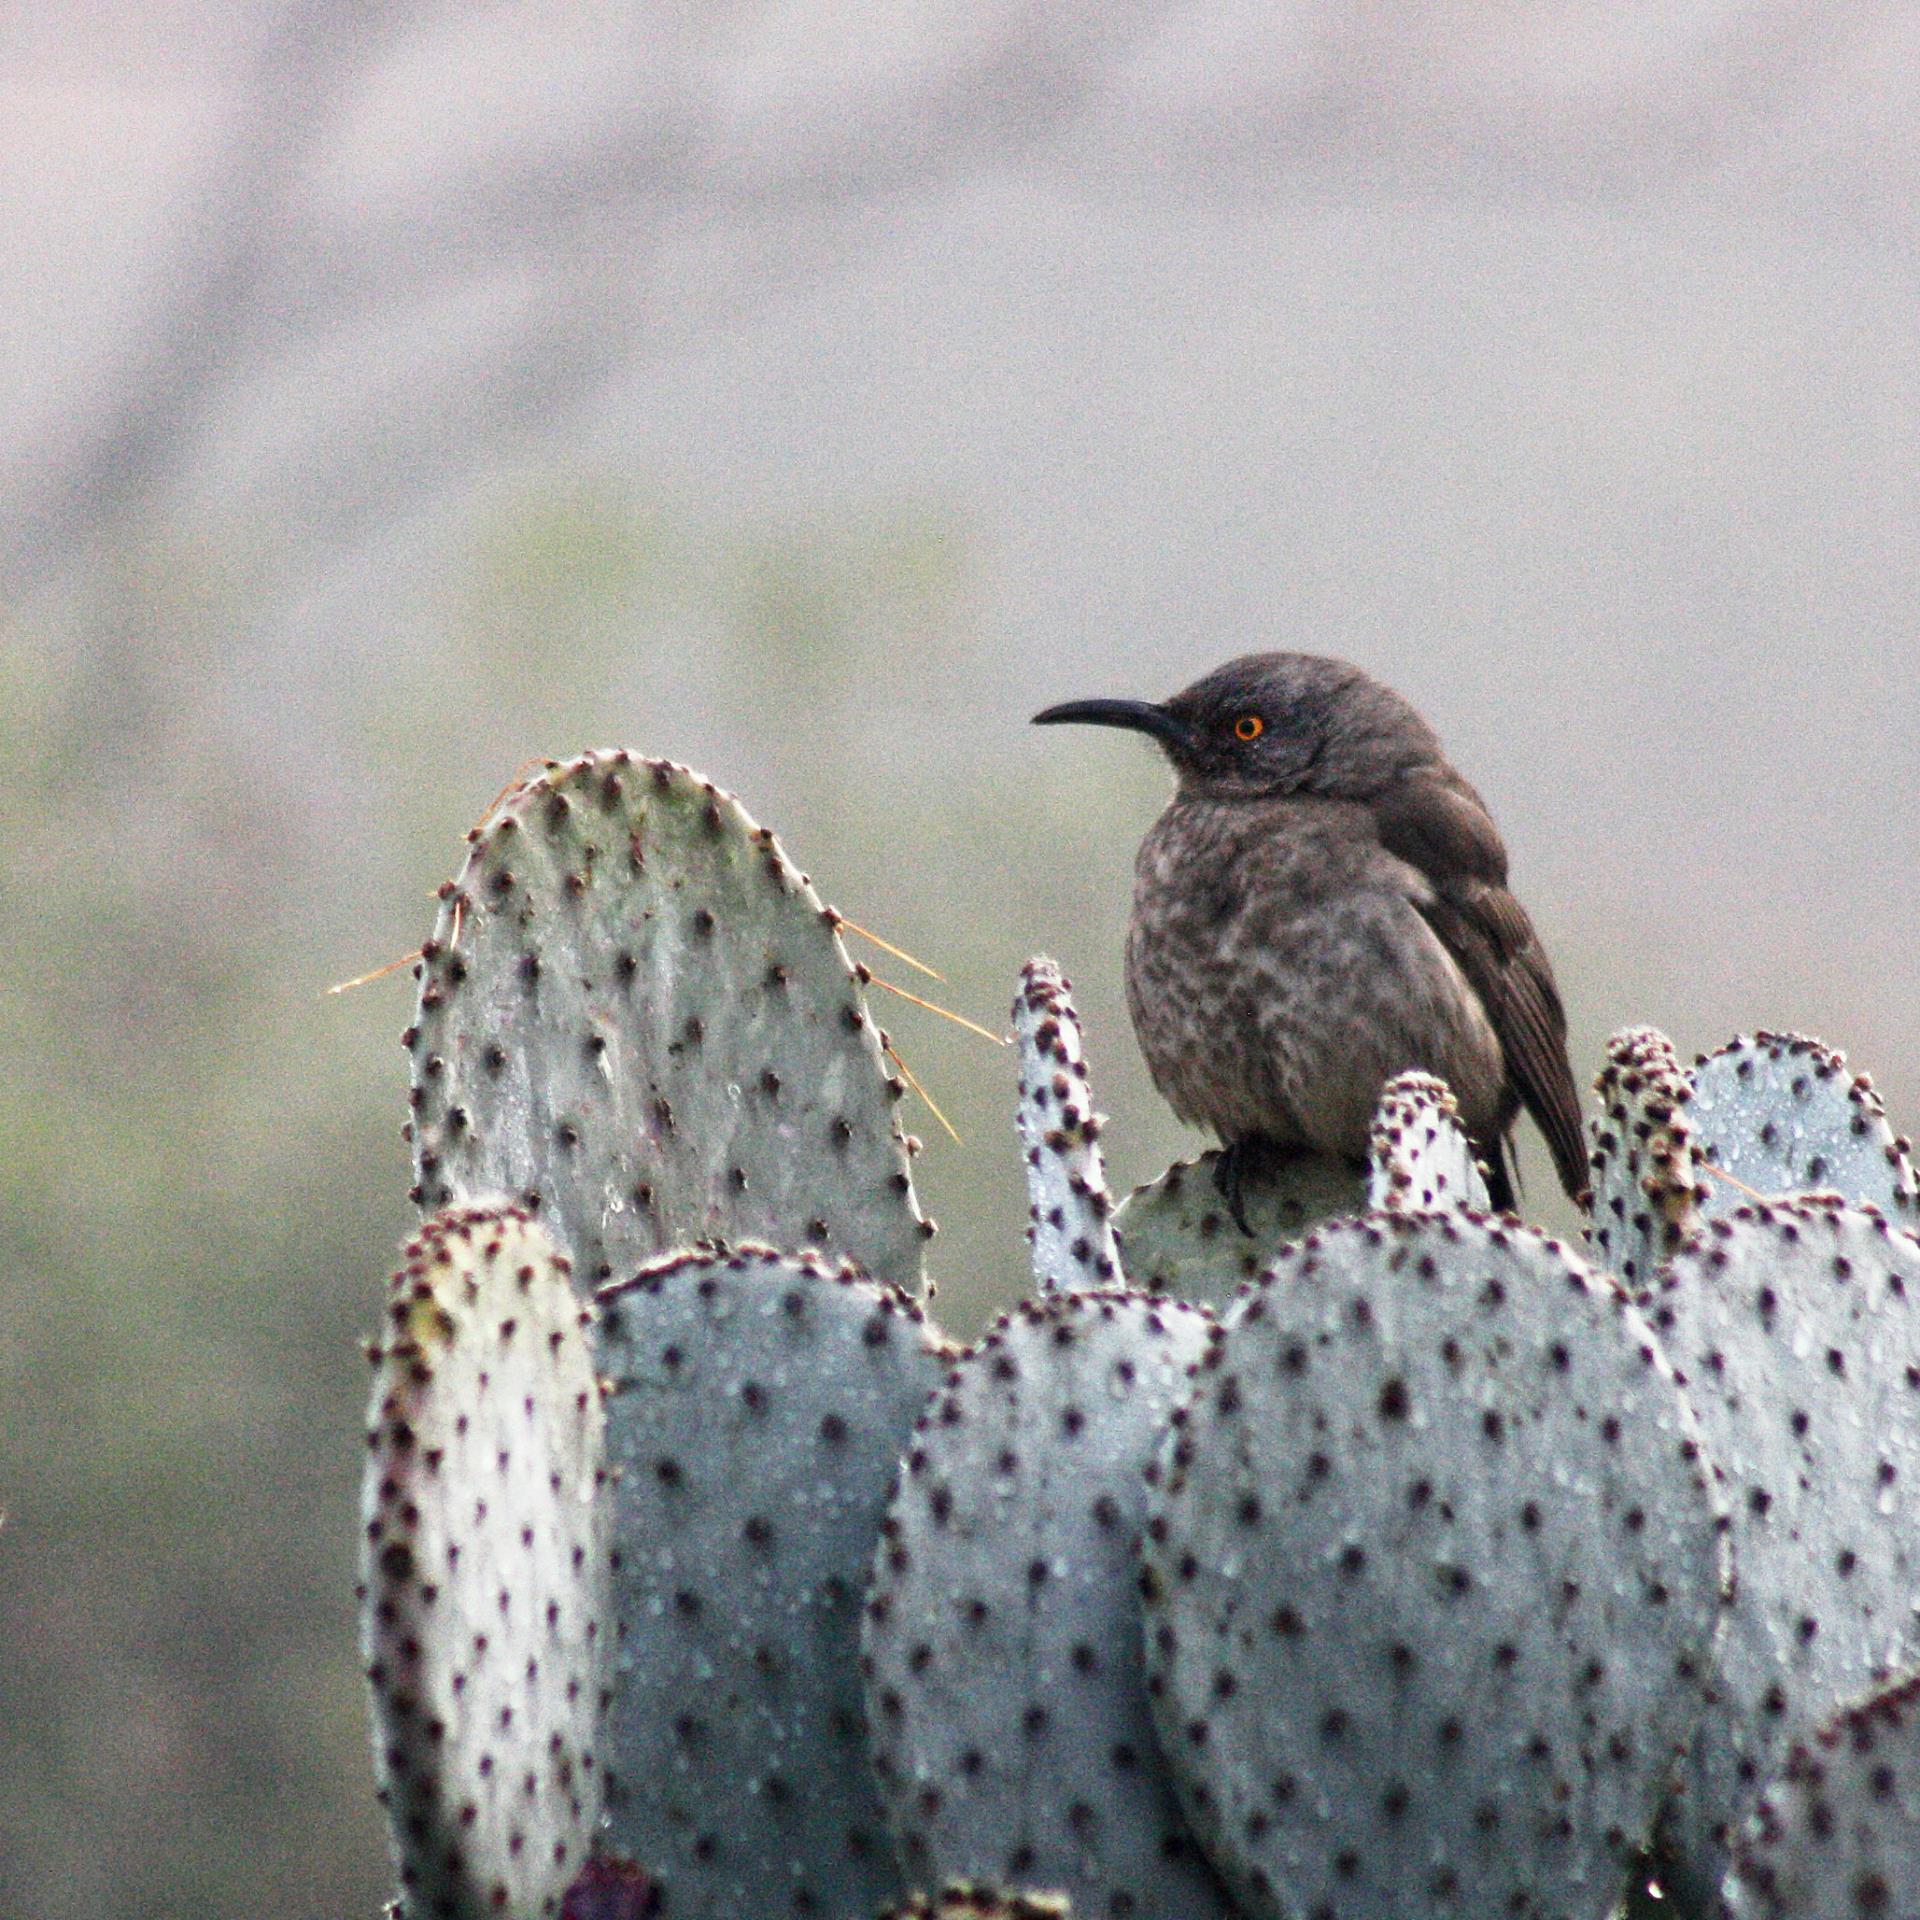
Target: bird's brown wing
1440 828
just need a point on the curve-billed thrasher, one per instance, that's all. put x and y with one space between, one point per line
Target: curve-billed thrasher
1324 905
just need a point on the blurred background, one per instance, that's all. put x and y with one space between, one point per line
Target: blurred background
810 391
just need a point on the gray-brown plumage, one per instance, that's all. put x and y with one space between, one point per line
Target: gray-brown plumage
1323 905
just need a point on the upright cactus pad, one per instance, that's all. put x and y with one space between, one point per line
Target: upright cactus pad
758 1407
1432 1579
1011 1730
1177 1235
1796 1329
1647 1185
636 1012
1421 1156
484 1570
1784 1115
1837 1835
1069 1209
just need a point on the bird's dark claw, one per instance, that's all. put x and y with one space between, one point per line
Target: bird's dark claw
1229 1178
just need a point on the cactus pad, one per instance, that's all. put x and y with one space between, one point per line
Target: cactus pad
1835 1833
1421 1155
1647 1184
1011 1731
758 1407
1069 1208
1796 1329
1432 1579
484 1570
1783 1115
1177 1236
637 1014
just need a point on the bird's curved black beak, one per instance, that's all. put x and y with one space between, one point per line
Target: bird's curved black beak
1139 716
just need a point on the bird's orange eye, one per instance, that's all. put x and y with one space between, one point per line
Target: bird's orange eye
1249 727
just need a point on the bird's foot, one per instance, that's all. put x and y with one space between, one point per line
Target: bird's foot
1230 1170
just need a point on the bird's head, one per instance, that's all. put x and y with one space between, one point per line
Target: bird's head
1269 724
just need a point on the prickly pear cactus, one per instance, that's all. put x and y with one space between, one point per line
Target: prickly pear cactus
636 1009
1421 1157
1178 1237
1432 1579
1011 1732
483 1570
1835 1834
1069 1211
1648 1189
1796 1329
963 1901
758 1407
1784 1115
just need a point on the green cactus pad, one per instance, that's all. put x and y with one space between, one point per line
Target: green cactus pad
963 1901
1011 1733
1069 1209
758 1407
635 1012
1431 1580
1647 1185
483 1570
1421 1156
1835 1835
1784 1115
1796 1330
1177 1236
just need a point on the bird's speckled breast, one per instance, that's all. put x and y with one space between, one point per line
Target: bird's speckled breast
1279 973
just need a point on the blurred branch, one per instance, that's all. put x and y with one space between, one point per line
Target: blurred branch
146 417
560 236
1455 96
259 278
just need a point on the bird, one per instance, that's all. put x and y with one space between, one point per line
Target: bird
1323 905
